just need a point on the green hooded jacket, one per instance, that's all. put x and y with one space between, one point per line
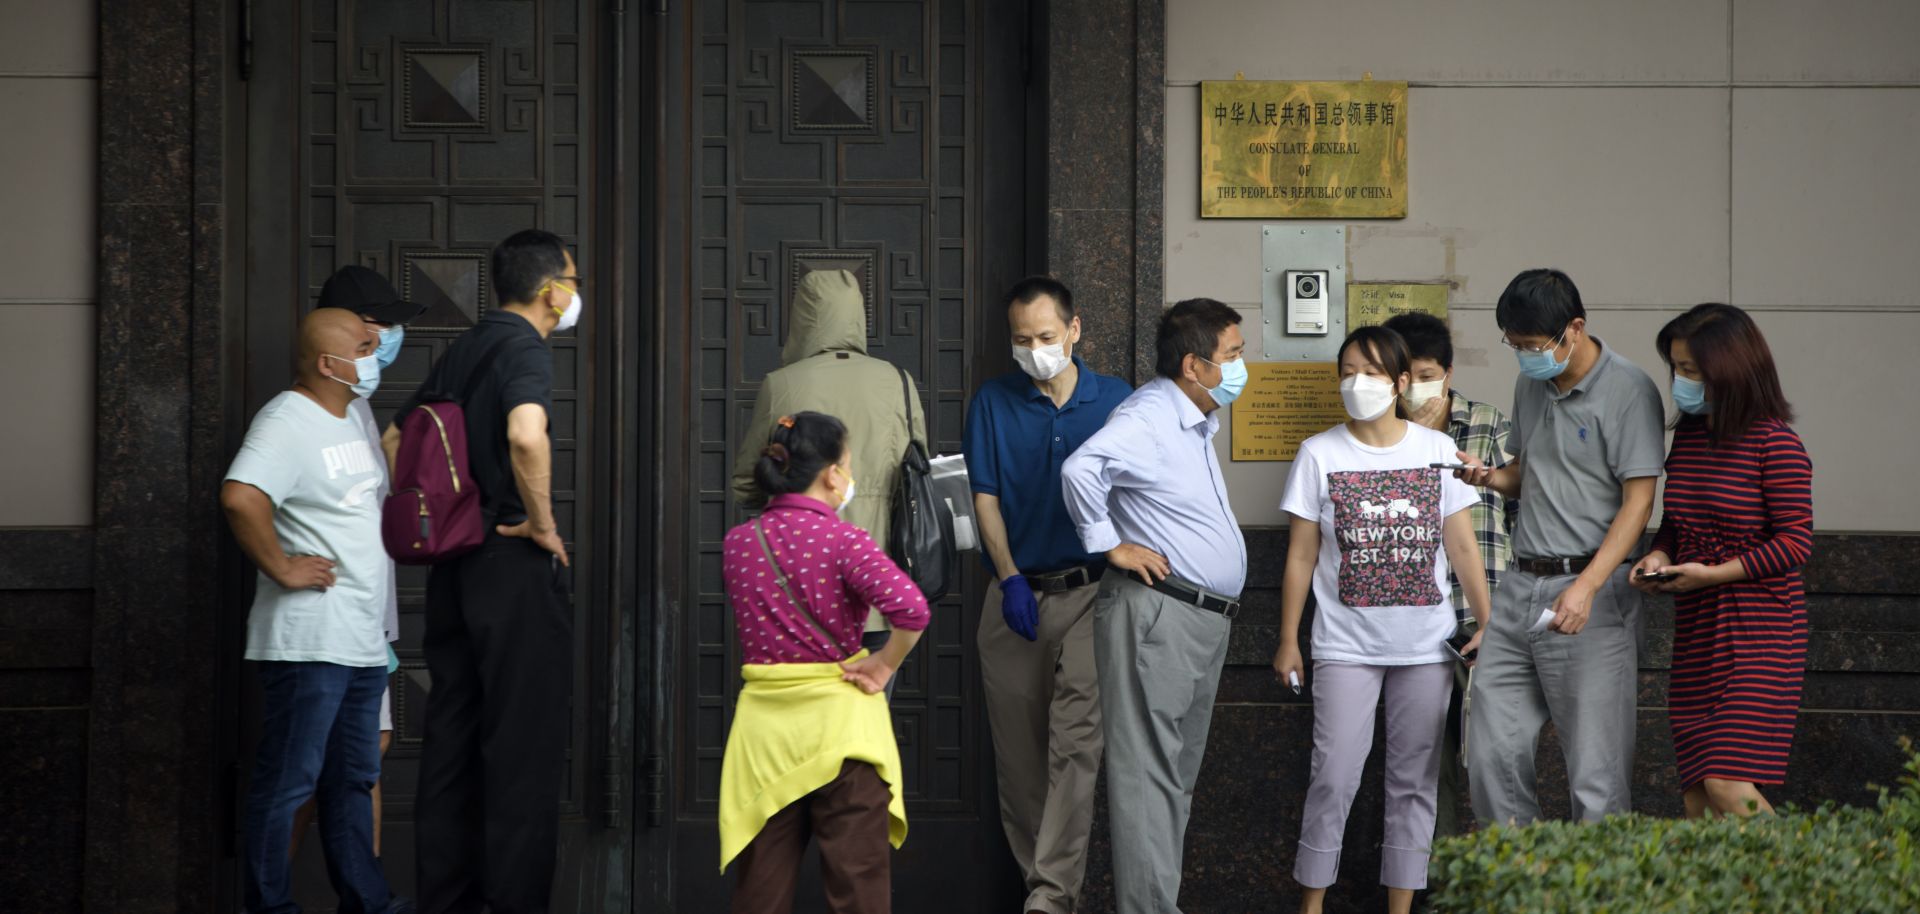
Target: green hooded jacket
826 369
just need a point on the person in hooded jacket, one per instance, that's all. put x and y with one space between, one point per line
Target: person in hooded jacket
825 368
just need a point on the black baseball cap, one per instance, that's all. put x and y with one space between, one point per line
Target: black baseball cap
368 294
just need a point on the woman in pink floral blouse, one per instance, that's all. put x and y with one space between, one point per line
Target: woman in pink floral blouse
812 750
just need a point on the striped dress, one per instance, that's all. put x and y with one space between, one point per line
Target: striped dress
1739 650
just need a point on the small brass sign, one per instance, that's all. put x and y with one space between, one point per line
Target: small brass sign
1284 404
1370 303
1303 150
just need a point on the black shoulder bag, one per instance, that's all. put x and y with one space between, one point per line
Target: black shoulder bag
920 538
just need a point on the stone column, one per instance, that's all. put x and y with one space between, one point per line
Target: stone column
1105 66
155 794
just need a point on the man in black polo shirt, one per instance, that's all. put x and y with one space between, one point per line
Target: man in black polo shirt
499 619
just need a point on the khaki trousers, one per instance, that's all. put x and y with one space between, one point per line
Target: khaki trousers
1043 706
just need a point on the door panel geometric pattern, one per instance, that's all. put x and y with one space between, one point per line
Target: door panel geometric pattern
444 89
431 130
453 286
827 142
833 91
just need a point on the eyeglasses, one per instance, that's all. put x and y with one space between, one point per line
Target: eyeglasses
1516 347
577 281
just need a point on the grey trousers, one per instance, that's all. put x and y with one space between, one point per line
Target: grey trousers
1043 706
1159 661
1345 696
1587 684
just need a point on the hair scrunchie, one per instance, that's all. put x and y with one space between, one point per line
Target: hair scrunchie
777 452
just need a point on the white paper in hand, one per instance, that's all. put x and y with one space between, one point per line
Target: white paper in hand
1546 619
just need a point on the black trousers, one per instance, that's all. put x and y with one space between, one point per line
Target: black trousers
499 648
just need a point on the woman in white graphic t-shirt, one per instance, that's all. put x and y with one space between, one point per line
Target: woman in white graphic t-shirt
1374 525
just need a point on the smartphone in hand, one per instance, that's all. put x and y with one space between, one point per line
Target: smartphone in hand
1657 577
1455 643
1451 466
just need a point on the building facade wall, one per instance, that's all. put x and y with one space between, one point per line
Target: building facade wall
1739 151
1663 154
49 84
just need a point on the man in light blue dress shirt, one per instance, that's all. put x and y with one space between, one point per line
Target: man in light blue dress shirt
1146 491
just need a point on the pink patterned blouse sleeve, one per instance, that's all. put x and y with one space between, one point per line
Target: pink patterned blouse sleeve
873 579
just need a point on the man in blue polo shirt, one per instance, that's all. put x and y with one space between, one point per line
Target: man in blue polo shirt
1036 632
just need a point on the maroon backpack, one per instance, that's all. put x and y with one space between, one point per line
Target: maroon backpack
432 513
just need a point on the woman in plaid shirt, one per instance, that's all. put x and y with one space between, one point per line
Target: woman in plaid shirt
1479 429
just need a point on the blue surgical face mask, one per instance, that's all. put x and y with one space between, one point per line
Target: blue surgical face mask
390 345
1233 380
1691 396
368 368
1542 366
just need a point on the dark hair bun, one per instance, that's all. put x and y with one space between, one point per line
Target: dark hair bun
800 447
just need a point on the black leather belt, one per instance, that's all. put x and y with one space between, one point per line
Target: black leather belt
1549 567
1188 593
1063 581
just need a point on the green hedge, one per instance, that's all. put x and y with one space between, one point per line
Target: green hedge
1824 861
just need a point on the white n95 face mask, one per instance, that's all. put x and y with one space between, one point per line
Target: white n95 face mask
1422 393
1044 363
1366 397
571 316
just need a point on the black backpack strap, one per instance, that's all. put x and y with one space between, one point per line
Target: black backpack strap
437 391
481 367
906 393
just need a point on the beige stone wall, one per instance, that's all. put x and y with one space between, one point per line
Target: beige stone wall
1662 152
48 86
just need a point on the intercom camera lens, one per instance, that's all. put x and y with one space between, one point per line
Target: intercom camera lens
1306 286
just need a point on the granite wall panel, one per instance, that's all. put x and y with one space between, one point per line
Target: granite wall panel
152 804
1105 68
43 800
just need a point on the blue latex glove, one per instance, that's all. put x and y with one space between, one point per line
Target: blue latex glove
1019 608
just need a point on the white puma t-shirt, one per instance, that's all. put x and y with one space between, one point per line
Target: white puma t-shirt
325 480
1380 588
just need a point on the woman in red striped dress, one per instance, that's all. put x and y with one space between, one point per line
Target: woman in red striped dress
1738 524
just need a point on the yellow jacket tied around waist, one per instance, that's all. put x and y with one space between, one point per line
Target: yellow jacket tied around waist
794 727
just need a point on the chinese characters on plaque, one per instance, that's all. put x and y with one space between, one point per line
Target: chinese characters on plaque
1370 303
1303 150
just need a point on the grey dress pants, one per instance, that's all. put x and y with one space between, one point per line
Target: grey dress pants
1587 684
1159 662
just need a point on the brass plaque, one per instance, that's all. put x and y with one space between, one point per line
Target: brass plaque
1370 303
1303 150
1284 404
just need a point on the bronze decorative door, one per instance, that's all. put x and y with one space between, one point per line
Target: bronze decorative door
409 136
855 135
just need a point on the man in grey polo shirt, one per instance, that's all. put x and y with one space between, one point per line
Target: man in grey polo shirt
1563 643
